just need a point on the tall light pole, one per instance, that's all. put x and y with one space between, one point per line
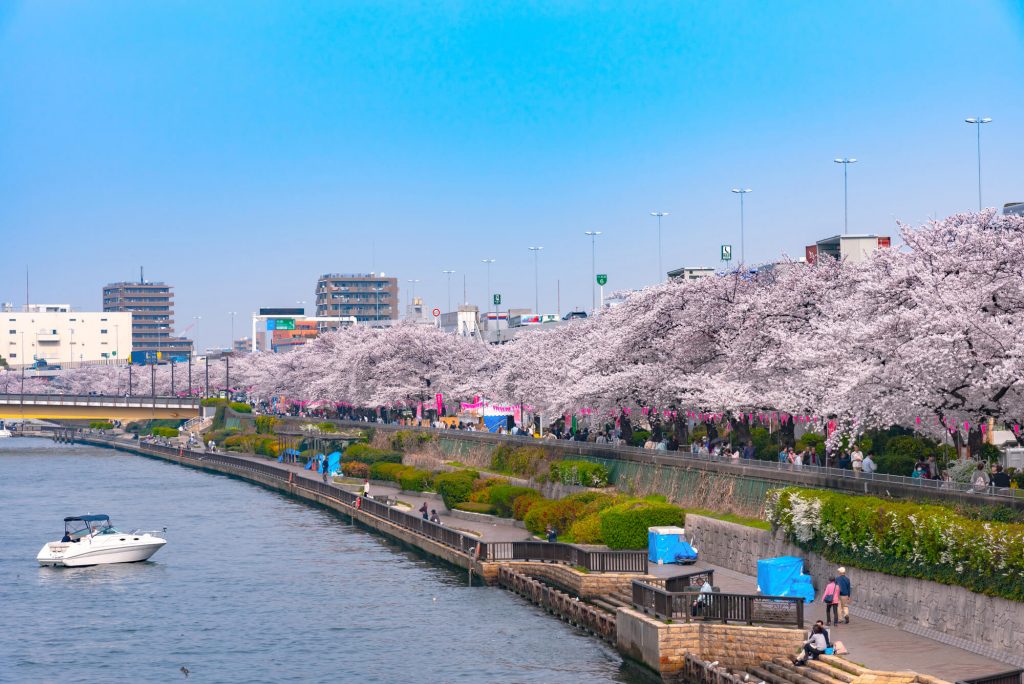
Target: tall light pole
845 161
490 295
449 273
741 192
659 215
197 319
977 121
593 268
536 279
232 345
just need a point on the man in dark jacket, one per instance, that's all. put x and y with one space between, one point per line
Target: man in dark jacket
1000 478
843 582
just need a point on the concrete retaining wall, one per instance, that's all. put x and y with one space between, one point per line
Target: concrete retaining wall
990 626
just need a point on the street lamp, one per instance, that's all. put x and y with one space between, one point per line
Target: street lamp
845 161
232 345
449 274
741 192
536 279
196 324
659 215
490 295
593 268
977 121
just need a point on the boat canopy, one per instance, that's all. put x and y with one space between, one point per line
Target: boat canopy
87 518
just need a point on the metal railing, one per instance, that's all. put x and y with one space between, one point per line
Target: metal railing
139 400
692 606
1010 677
838 478
595 560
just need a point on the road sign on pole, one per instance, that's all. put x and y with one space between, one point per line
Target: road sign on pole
497 299
726 252
602 279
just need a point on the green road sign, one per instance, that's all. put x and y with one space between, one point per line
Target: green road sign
602 279
726 252
497 299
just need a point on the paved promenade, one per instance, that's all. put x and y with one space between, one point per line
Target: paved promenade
871 644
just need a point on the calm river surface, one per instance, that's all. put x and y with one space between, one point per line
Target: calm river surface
251 587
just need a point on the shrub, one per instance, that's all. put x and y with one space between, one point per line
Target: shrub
265 425
896 464
326 427
101 425
455 487
584 473
903 538
587 530
908 448
522 461
639 437
240 407
560 514
212 401
474 507
415 480
385 471
406 439
164 432
504 496
355 469
808 440
624 526
522 505
266 446
369 455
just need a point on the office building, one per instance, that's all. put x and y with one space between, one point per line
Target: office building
53 335
691 273
851 248
365 297
152 307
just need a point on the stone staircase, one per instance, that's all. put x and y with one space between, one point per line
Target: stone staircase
830 670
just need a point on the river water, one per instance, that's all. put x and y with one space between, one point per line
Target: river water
251 587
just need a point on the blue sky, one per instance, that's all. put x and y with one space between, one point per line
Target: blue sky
240 149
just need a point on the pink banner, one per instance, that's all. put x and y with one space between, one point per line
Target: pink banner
439 403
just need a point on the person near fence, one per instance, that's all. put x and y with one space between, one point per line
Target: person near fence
831 601
845 593
425 511
552 534
703 599
813 647
434 518
868 466
366 489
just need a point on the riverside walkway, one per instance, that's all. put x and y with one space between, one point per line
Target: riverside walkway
872 644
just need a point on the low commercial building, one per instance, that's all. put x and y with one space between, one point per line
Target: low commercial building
56 336
363 296
851 248
691 273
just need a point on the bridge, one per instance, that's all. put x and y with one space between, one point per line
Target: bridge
95 407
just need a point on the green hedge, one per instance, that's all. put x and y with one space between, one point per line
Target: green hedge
385 471
905 539
584 473
559 514
101 425
455 487
522 505
407 439
164 432
265 424
415 480
364 453
240 407
213 401
624 526
503 498
475 507
587 530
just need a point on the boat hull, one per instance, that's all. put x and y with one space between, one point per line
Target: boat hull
63 554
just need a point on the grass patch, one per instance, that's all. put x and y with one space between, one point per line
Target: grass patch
732 517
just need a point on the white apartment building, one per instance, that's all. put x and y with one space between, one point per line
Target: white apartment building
64 337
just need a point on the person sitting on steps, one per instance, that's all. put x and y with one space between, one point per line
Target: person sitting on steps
813 647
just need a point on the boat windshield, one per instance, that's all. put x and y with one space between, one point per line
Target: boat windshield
76 529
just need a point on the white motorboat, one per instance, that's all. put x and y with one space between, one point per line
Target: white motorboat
92 540
4 432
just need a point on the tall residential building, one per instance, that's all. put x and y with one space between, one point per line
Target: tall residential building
364 296
152 307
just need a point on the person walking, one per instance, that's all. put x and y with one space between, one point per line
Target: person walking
845 593
831 601
366 489
425 511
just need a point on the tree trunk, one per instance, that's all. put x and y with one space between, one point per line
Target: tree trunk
787 433
974 442
627 429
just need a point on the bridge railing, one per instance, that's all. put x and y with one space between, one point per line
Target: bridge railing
100 400
695 606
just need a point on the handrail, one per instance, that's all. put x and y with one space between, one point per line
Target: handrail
144 400
695 606
1009 677
594 560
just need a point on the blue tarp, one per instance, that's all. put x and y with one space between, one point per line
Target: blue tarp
315 460
784 576
669 545
288 452
333 462
495 422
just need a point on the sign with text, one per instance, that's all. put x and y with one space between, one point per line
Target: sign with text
602 279
497 299
726 252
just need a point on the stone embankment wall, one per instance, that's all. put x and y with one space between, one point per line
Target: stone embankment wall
583 584
987 625
663 646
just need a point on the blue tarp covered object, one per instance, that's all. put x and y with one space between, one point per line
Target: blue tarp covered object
495 422
333 463
784 576
669 545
